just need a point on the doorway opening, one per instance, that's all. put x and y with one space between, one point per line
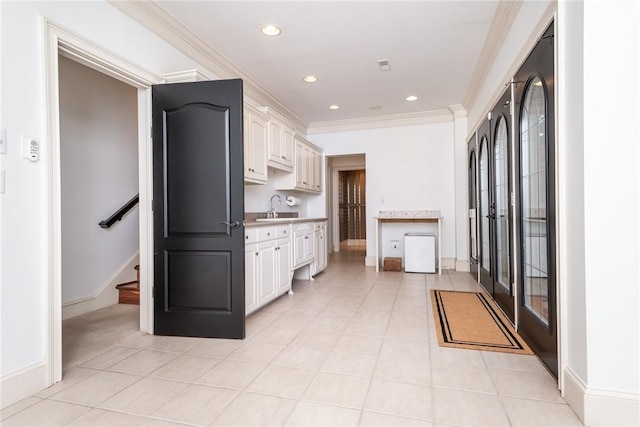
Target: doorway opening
98 173
346 202
352 208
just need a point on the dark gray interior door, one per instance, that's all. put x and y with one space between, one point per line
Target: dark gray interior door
486 213
501 172
535 121
473 205
198 209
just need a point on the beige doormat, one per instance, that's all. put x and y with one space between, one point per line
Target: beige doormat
472 321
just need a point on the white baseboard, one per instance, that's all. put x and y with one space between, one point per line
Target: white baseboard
107 295
448 263
600 407
462 265
370 261
23 383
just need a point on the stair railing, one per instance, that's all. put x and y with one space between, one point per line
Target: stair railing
117 216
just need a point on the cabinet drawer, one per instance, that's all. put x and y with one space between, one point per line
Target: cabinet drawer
266 233
283 231
302 227
250 235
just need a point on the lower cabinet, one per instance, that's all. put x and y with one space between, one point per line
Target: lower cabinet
268 272
304 248
320 234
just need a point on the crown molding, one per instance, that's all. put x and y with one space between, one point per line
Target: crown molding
392 120
157 20
185 77
458 111
498 31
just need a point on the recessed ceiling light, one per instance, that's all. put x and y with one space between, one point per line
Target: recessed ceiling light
270 30
412 98
310 79
334 107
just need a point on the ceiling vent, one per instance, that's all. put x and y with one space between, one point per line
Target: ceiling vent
384 65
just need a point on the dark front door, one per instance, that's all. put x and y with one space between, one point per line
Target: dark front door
485 207
500 171
198 209
535 123
473 205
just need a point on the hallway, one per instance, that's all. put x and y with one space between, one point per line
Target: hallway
354 347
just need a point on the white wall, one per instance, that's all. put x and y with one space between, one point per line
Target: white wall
612 184
408 167
24 308
257 197
532 16
99 173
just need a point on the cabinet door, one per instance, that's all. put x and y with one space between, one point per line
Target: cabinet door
287 146
251 278
317 171
275 141
247 145
309 246
267 271
259 141
321 253
298 247
301 165
283 267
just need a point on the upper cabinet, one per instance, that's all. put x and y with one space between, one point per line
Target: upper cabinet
269 140
307 174
256 142
281 149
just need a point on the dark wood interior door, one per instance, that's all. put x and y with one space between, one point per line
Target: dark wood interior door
501 134
198 209
535 121
472 171
486 207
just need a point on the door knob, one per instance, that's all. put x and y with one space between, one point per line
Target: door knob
232 224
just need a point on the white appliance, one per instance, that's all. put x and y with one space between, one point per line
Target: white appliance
419 253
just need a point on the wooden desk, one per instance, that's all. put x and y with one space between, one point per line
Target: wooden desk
380 220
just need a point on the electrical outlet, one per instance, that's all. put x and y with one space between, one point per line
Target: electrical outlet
395 244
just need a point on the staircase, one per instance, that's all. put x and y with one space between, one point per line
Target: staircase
130 291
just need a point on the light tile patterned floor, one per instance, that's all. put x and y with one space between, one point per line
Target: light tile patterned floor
354 347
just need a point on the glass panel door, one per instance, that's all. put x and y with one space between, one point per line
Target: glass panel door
486 207
473 216
533 180
537 314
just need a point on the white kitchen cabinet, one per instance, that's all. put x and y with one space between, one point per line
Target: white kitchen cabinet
283 265
307 170
281 145
251 277
268 270
256 135
303 244
320 232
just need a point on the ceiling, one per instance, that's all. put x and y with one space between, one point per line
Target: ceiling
432 46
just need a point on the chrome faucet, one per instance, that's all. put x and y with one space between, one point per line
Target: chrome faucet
273 212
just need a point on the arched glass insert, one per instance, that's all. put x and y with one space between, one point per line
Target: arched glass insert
485 238
501 170
473 232
533 179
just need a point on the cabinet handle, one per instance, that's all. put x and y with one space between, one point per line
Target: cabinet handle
256 253
268 234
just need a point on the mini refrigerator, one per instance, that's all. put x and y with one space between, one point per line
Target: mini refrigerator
419 253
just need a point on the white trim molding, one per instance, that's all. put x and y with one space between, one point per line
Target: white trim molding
600 407
157 20
185 77
23 383
392 120
107 294
58 40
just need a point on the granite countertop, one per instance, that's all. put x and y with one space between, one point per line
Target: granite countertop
264 221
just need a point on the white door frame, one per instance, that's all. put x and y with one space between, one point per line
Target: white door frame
61 41
335 208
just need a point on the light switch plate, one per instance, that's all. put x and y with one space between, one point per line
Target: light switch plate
3 141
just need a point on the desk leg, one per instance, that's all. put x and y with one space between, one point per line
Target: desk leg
439 247
376 225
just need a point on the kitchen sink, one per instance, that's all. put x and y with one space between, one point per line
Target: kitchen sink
281 219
